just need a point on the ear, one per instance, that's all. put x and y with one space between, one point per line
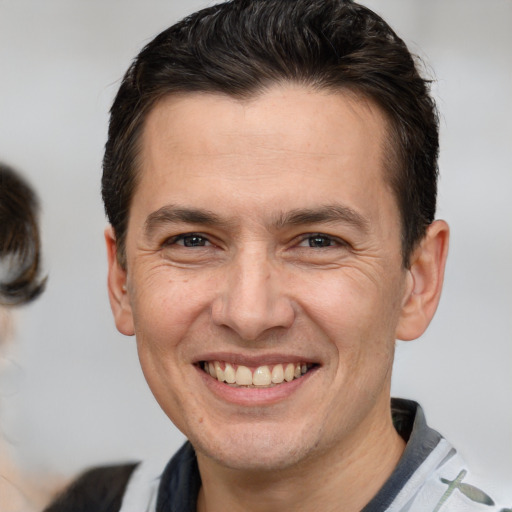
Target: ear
117 287
424 282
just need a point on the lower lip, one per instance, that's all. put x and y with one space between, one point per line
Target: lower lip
253 397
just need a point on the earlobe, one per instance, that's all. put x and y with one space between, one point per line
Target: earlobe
117 287
424 282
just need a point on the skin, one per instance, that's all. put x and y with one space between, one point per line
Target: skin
275 276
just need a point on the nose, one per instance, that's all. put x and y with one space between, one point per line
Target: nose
252 299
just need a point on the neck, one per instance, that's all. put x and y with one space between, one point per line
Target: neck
350 474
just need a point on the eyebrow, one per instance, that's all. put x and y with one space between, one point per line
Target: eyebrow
174 214
324 214
300 216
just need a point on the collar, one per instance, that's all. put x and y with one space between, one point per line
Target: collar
181 481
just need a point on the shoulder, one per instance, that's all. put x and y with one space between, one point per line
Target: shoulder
452 486
431 474
99 489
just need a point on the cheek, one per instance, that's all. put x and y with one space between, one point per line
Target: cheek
344 297
167 307
167 313
358 314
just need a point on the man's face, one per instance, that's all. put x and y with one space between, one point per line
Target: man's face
263 238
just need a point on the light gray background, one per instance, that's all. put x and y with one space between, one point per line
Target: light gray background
81 398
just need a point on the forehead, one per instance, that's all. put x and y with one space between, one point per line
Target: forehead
292 114
287 141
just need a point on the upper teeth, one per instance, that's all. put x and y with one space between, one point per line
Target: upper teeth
260 376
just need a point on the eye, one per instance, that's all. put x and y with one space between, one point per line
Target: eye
189 240
319 240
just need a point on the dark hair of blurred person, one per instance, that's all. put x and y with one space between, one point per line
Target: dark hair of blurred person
20 258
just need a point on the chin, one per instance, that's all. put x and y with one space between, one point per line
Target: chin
257 448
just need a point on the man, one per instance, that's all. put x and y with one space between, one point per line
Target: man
270 181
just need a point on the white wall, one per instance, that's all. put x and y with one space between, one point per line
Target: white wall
81 398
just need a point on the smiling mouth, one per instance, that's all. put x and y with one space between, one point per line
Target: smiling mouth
261 377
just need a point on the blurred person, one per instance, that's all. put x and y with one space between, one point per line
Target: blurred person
19 241
20 283
270 179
